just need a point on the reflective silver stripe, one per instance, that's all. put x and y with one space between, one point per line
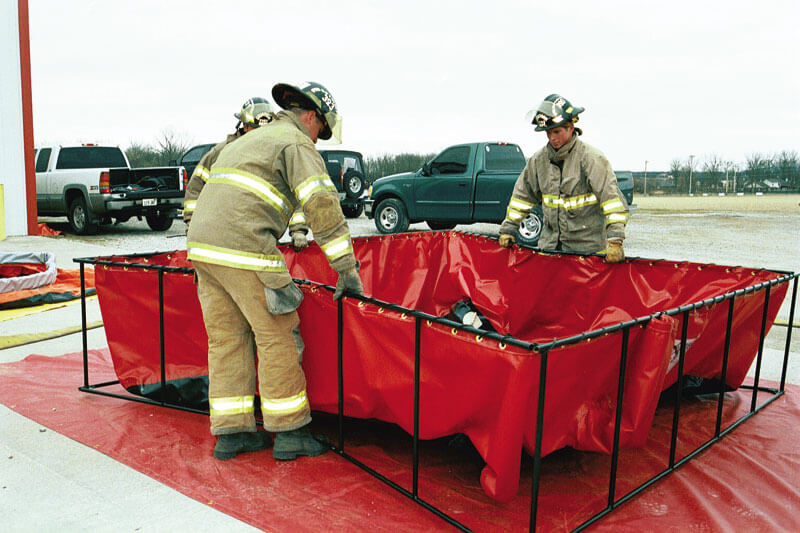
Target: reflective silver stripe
337 247
613 206
254 184
200 172
206 253
297 218
312 185
617 217
551 201
232 405
189 205
291 404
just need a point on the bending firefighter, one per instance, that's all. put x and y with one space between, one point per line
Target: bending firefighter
244 287
255 112
582 206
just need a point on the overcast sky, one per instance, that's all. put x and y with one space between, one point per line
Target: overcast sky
659 81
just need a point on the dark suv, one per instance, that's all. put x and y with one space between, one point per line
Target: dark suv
345 167
625 182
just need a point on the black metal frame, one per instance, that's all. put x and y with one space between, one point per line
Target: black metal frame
542 349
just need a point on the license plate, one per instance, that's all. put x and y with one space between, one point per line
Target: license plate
147 202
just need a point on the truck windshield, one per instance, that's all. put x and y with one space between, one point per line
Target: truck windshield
90 157
504 157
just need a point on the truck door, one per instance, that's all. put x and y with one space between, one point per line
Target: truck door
43 200
446 194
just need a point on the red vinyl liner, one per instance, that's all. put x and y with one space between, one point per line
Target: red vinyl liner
469 384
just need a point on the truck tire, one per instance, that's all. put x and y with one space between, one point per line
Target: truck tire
353 211
390 217
531 228
159 221
436 226
353 183
80 219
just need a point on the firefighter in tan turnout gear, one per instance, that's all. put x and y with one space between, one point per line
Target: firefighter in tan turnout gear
582 206
255 112
244 286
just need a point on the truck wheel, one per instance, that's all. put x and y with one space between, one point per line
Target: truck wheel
436 226
353 183
159 222
531 228
390 217
353 211
79 217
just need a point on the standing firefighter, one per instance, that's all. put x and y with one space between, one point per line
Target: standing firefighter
244 286
583 208
255 112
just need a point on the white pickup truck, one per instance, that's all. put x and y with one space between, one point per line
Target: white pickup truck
91 185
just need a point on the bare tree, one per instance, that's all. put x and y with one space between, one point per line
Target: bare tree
680 171
141 155
757 170
171 145
712 171
787 168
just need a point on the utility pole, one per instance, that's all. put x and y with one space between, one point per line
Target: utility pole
691 169
645 177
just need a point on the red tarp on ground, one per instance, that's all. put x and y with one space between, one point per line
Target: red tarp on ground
747 482
471 385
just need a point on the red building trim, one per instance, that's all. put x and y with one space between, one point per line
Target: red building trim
27 116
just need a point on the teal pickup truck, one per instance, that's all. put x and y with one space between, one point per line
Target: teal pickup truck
464 184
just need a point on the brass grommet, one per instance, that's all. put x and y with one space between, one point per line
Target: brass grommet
479 338
502 345
454 331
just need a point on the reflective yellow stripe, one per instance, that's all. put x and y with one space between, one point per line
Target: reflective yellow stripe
582 200
292 404
232 405
312 185
200 172
614 205
206 253
338 247
252 183
571 202
297 218
617 217
513 214
189 205
520 205
551 201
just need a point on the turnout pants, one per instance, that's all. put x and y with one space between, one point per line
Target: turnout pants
239 327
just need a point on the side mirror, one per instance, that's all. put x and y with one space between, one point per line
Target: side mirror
426 169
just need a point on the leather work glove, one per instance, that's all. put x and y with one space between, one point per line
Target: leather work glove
506 240
349 281
299 240
614 252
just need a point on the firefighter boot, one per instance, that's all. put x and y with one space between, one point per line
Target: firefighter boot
290 444
229 446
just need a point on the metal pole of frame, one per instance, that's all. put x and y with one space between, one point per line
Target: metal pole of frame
417 323
724 374
754 398
340 335
678 391
789 335
83 329
537 454
623 363
161 335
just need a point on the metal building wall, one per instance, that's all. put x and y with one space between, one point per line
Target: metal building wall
19 208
